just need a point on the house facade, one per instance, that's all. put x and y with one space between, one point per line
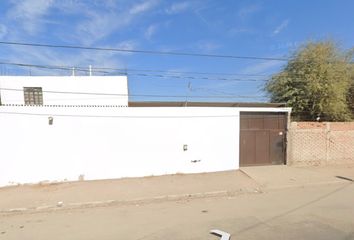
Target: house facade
69 128
61 91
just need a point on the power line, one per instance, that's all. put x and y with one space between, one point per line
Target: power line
142 51
196 78
226 95
140 95
126 72
82 69
180 72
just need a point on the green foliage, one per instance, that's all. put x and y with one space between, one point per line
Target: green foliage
350 96
316 83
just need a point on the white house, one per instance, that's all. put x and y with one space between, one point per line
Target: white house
55 90
60 128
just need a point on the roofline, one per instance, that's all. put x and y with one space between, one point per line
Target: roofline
202 104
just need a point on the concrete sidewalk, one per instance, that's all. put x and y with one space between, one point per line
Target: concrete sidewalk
279 177
127 190
164 188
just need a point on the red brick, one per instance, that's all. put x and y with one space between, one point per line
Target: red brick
346 126
311 125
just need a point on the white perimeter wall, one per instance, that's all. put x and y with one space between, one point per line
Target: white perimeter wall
102 143
11 89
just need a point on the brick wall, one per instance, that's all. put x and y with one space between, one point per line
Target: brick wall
313 143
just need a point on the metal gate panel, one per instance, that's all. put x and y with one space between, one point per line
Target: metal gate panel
262 148
277 147
248 140
262 138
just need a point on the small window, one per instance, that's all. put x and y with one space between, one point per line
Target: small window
33 95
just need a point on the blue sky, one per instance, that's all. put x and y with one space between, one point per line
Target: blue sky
269 28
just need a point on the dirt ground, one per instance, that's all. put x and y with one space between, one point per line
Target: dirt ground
273 202
246 180
127 189
317 212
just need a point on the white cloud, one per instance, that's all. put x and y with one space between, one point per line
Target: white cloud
97 26
50 57
207 46
3 31
199 13
288 46
30 9
283 25
29 13
126 45
82 23
262 68
177 7
94 21
247 11
150 31
238 31
142 7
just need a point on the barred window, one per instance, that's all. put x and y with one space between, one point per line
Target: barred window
33 95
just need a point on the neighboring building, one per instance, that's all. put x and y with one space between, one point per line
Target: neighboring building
59 128
74 90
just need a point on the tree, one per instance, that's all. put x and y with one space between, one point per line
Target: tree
350 96
315 82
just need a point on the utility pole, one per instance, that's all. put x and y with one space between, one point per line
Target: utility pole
73 71
189 88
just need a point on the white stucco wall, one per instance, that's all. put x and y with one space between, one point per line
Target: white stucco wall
115 142
115 89
103 143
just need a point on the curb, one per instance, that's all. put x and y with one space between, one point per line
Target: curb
308 185
137 201
158 199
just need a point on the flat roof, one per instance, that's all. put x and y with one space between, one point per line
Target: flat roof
203 104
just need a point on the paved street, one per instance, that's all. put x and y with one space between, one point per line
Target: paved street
313 212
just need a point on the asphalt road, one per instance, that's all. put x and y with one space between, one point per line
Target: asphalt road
321 212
